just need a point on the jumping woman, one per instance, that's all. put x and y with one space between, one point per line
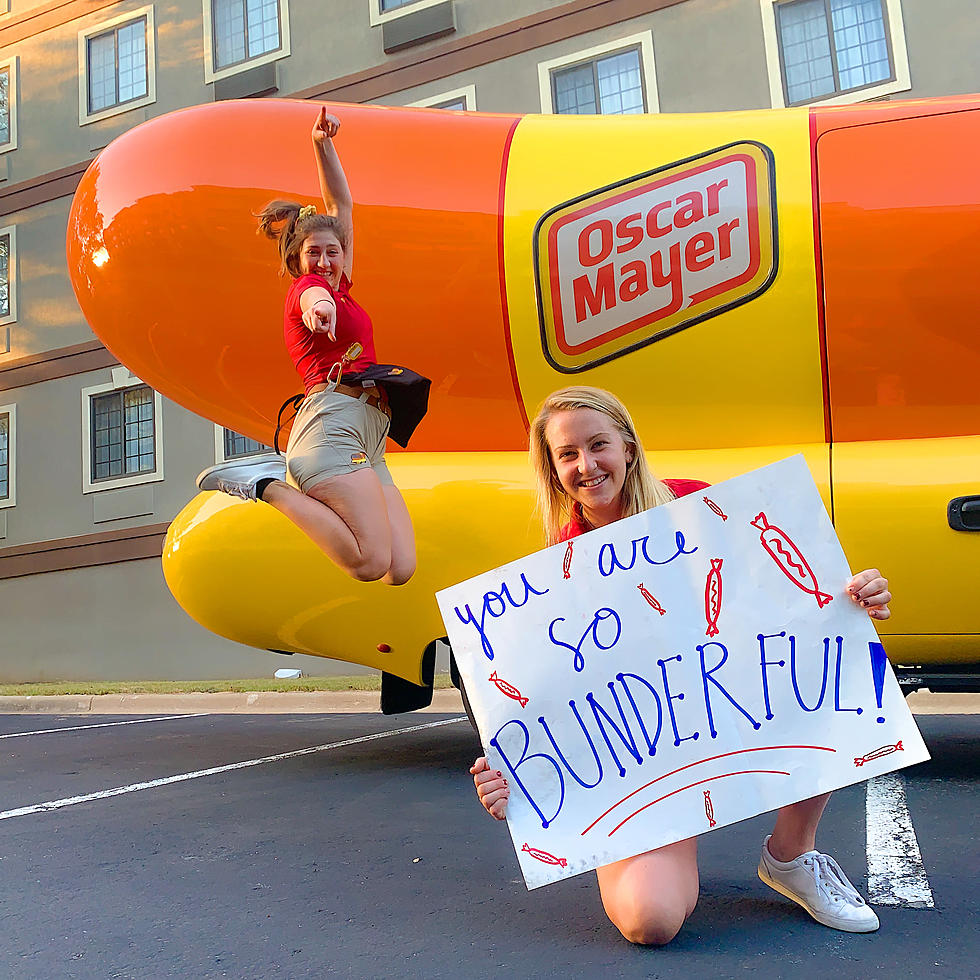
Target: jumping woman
334 485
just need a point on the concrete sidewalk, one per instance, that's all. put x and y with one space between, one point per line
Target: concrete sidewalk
326 702
444 701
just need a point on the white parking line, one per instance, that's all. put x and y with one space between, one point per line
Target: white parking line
104 794
896 875
105 724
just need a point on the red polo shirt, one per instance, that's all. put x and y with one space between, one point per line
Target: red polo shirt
315 353
577 526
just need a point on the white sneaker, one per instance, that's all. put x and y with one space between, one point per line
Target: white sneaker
816 882
239 476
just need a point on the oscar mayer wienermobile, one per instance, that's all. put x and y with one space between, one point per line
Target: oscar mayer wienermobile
753 284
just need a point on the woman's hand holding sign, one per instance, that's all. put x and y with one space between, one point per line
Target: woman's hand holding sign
491 787
870 590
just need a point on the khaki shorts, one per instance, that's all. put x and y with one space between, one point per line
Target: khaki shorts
334 434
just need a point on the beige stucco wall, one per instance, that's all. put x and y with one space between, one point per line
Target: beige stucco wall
119 622
50 501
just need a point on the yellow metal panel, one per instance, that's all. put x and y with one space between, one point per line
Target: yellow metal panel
890 500
749 376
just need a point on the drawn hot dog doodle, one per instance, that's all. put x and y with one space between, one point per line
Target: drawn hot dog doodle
879 753
567 563
508 689
544 857
715 508
709 810
712 597
651 600
787 556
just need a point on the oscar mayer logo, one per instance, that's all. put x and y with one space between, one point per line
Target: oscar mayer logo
627 265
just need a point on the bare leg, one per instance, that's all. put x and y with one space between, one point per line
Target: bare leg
346 517
402 566
648 897
795 832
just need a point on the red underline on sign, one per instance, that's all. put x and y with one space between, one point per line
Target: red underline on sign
744 772
724 755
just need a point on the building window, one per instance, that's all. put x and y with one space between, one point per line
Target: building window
460 99
612 85
229 444
830 46
834 50
8 276
122 438
612 79
8 449
8 105
243 34
243 30
122 433
381 10
4 105
116 66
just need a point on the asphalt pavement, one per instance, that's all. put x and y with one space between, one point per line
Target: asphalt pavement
210 845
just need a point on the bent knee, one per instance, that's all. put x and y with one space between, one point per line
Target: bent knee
399 574
653 925
371 567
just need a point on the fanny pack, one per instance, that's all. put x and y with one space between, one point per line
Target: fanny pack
407 394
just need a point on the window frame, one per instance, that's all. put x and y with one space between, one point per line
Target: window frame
467 93
643 41
212 74
219 446
12 85
11 317
897 49
377 17
84 116
11 499
121 380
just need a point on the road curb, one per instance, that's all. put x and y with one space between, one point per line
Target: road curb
324 702
254 702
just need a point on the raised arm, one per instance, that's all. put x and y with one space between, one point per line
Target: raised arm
334 189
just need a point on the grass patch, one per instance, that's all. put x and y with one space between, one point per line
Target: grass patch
357 682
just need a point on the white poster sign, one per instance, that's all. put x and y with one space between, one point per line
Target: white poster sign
674 672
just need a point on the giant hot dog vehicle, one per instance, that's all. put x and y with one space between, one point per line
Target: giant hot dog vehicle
752 284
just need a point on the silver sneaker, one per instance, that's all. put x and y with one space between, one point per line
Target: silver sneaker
816 882
238 477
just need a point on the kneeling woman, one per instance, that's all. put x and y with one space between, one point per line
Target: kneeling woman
591 471
338 489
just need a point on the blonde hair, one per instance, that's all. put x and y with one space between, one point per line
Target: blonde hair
283 223
641 489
